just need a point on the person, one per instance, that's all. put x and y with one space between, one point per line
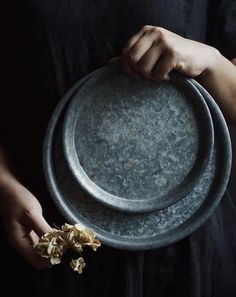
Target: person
51 45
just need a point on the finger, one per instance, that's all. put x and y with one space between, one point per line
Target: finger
37 259
23 243
39 224
148 61
163 68
127 68
135 53
33 237
135 38
130 70
30 255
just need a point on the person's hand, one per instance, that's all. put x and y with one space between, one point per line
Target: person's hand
21 214
153 52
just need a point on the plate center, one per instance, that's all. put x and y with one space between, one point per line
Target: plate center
134 141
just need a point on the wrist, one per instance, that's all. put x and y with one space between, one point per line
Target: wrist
8 183
214 59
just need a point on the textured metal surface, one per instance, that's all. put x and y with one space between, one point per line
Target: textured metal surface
129 230
137 145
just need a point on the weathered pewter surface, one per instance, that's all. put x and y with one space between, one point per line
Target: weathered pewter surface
136 145
137 141
123 224
137 231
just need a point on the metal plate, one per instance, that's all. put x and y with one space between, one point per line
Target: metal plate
129 230
137 146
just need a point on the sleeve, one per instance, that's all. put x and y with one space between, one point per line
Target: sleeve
222 27
12 69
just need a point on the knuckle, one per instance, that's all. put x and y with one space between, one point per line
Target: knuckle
163 32
170 51
154 32
163 37
157 30
31 213
28 213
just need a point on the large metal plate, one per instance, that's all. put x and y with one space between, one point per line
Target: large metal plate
135 231
137 146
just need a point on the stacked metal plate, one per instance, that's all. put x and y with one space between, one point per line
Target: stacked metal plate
141 163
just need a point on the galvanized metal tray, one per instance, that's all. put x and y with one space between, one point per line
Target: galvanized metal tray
136 231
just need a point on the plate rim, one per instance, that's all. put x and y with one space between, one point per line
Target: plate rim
187 228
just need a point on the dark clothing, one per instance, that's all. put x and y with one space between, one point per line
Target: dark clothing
53 44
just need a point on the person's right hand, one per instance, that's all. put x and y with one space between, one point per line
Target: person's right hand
21 214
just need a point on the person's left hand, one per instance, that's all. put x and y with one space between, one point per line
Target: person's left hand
154 51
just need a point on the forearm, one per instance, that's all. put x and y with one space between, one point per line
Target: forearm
21 214
220 81
7 172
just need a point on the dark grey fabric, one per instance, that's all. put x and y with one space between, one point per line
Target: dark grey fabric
52 44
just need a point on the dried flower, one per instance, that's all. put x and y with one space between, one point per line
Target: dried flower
54 244
77 264
79 237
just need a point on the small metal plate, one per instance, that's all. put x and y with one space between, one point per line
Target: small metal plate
135 145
